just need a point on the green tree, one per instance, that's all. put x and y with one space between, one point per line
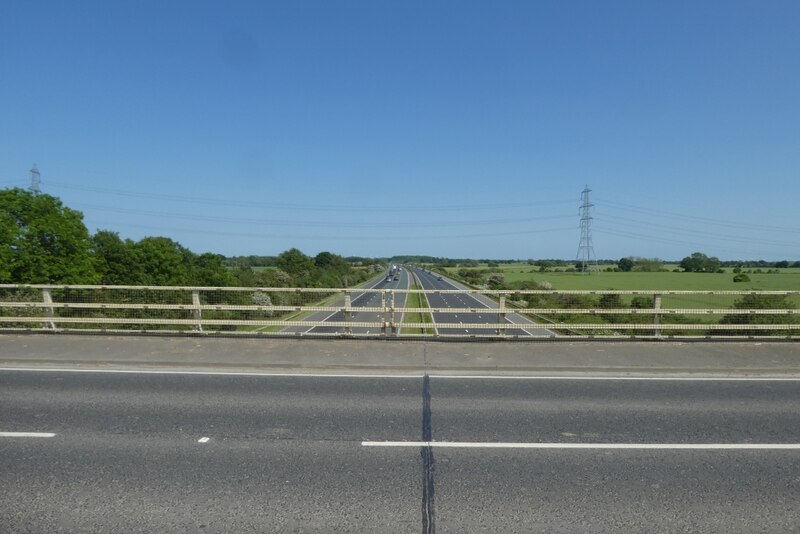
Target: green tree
42 241
648 265
496 281
296 264
700 263
332 262
115 259
6 252
625 264
209 270
164 262
610 300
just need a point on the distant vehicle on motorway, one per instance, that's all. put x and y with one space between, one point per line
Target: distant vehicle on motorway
439 278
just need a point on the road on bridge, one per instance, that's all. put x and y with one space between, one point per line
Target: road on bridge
164 452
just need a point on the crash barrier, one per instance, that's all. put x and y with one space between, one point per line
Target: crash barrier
408 313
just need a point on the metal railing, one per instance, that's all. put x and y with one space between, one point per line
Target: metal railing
520 315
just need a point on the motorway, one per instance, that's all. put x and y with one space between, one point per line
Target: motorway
158 452
432 282
359 300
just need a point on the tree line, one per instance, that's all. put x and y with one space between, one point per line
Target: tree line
42 241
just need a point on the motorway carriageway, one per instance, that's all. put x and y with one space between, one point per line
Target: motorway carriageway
107 451
431 283
359 300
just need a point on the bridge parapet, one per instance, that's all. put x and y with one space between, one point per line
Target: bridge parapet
468 313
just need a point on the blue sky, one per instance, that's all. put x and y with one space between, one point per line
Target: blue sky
458 129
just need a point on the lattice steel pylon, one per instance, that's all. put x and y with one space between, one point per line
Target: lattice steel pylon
35 179
585 248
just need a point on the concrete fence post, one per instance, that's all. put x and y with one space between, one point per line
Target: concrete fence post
347 313
197 312
392 326
501 316
47 298
656 315
384 314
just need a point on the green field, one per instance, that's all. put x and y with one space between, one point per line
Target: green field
785 280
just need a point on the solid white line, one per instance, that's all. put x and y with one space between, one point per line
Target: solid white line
207 373
26 434
629 378
658 446
417 375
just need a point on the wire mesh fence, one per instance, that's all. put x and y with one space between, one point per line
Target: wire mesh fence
413 313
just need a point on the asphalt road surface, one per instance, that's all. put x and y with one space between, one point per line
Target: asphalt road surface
359 300
137 452
431 283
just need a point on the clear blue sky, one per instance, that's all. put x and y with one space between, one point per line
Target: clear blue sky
459 129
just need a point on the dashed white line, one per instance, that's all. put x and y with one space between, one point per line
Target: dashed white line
26 434
203 440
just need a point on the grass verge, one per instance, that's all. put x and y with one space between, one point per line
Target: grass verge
417 300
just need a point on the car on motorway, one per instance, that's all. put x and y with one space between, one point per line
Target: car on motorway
439 278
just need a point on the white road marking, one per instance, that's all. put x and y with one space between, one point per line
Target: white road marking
203 440
210 373
26 435
634 378
413 375
641 446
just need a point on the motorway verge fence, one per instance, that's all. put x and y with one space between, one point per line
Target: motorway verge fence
330 312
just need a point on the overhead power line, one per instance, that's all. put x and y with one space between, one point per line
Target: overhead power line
309 207
398 237
312 224
706 220
628 223
694 244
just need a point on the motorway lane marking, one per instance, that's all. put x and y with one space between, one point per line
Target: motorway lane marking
352 302
483 305
26 434
634 446
203 440
419 375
